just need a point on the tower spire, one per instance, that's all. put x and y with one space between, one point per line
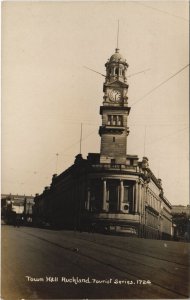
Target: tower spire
80 138
117 48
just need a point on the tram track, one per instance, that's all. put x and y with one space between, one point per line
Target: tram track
131 251
175 265
111 265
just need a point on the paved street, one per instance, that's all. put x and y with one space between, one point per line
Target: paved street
48 264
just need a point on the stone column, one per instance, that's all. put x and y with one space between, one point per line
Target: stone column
133 199
136 196
144 202
142 205
104 206
140 198
121 195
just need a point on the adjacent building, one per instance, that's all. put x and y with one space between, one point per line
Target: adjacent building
17 207
181 222
181 209
110 191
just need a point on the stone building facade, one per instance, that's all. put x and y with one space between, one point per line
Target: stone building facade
110 191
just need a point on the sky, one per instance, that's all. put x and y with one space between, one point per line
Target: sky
47 92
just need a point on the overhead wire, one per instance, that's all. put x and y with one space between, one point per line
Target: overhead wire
159 85
160 10
45 165
140 99
166 136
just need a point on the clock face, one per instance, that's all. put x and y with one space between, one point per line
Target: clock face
114 95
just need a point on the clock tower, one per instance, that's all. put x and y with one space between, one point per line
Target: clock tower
114 111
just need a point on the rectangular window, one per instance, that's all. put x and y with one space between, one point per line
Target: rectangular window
109 120
114 122
96 194
113 197
120 121
128 196
112 161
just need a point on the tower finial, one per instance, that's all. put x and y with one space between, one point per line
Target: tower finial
117 36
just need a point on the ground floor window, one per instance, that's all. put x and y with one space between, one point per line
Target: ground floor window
128 196
112 189
112 195
96 196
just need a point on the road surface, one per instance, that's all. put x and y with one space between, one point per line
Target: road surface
48 264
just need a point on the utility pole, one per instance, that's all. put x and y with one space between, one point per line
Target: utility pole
57 154
144 140
80 139
118 34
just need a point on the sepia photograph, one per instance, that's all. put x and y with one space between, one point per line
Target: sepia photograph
95 150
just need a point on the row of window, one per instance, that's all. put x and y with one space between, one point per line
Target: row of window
115 120
152 220
112 197
153 201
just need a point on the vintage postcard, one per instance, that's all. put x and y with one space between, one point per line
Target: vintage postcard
95 150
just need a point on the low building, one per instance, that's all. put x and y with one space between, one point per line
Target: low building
110 191
17 207
181 221
179 209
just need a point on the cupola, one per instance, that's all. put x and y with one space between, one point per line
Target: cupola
116 67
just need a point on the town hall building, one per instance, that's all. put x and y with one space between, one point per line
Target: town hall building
111 191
